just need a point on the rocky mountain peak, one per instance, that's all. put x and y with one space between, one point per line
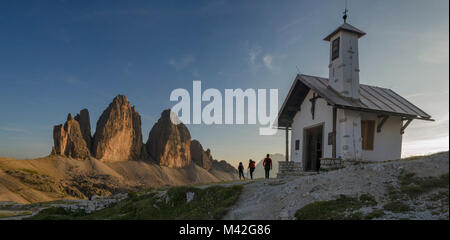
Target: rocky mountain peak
199 156
168 143
68 140
85 126
118 135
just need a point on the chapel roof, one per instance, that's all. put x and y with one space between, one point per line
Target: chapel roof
345 27
379 100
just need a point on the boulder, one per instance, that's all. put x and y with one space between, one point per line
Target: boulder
118 135
168 143
199 156
69 141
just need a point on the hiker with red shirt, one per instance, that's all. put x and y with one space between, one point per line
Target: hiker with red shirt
267 165
251 166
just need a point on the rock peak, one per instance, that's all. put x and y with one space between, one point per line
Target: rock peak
118 135
85 126
69 141
199 156
121 99
169 144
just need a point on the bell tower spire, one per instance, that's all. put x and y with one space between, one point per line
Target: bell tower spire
344 59
345 12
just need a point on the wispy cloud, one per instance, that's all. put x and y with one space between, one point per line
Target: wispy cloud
253 55
257 59
179 64
426 94
290 33
268 61
291 25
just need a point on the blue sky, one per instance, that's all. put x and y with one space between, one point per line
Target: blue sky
58 57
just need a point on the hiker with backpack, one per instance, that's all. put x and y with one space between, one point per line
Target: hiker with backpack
267 165
241 171
251 166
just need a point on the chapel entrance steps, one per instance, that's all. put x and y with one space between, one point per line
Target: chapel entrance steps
288 169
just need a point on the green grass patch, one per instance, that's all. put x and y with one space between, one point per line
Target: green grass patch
397 207
209 203
414 186
367 200
57 213
6 214
337 209
441 197
377 213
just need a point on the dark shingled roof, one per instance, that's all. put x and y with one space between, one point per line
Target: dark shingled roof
372 99
345 27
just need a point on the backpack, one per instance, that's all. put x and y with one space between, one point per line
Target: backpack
252 164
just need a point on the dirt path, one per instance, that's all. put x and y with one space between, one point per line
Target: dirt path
281 198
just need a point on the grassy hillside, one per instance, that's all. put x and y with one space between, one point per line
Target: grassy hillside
410 188
209 203
56 177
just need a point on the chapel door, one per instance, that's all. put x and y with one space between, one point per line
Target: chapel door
314 151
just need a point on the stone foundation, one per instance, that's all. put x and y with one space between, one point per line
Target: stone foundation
331 163
289 169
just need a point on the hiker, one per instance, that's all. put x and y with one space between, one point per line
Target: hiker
241 171
251 166
267 165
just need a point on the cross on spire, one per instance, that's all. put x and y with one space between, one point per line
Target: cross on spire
345 14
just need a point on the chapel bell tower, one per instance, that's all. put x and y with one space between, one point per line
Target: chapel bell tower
344 59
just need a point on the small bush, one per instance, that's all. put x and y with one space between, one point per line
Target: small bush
367 199
335 209
132 195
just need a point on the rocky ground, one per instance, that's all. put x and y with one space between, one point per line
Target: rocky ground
386 182
17 211
415 188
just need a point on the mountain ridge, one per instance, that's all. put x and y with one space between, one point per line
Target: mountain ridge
114 159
